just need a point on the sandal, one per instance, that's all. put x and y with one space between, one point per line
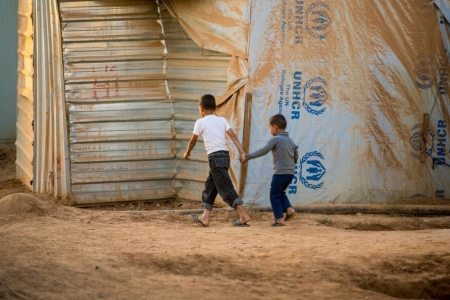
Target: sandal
196 220
276 224
291 216
237 223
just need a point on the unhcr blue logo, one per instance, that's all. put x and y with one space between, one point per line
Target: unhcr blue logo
312 170
314 96
424 72
318 20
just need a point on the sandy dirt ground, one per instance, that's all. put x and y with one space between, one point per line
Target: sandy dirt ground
142 251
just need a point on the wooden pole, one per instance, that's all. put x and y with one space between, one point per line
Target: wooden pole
246 140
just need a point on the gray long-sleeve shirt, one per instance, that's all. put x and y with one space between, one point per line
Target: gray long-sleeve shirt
284 153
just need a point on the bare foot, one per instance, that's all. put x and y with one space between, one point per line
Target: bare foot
290 210
244 219
204 220
196 219
281 220
243 216
278 222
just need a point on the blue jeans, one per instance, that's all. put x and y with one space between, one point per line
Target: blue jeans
219 181
278 199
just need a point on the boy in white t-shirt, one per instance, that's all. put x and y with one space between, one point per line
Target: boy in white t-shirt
213 129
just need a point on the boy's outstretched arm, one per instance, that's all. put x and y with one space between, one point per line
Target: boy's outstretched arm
190 146
236 142
263 151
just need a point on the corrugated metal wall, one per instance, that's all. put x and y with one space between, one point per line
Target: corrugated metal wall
121 127
8 78
132 81
51 163
25 109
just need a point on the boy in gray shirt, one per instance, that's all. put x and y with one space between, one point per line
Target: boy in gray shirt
285 156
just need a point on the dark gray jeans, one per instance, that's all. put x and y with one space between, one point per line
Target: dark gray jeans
219 181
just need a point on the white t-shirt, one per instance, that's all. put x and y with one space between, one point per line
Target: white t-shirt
213 129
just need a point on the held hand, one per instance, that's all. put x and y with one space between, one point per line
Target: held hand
186 155
242 158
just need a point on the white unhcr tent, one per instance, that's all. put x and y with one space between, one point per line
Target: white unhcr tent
113 99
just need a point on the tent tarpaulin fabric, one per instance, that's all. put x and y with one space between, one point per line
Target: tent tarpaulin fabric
357 82
444 21
354 79
444 7
222 26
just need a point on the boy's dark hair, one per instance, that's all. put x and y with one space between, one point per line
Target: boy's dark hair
208 102
278 120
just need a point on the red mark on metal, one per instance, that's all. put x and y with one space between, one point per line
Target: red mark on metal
105 86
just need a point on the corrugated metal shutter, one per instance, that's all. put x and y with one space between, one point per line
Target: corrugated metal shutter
25 106
133 80
121 124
